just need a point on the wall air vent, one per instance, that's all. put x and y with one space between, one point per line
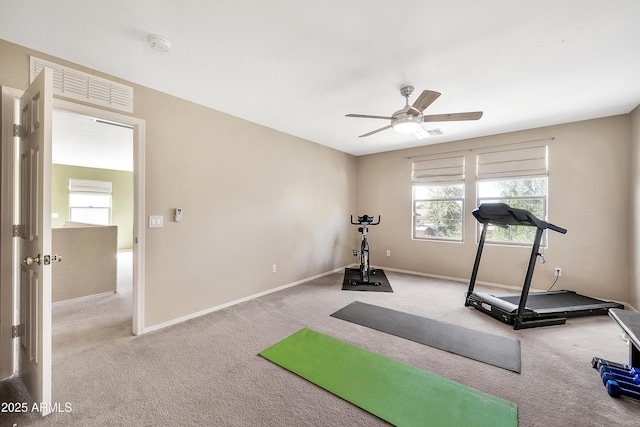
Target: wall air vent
85 87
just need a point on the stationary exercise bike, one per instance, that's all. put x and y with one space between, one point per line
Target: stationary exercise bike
365 269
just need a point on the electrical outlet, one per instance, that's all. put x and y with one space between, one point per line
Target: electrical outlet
274 268
388 252
354 252
558 272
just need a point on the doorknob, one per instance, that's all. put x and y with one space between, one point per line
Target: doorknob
30 260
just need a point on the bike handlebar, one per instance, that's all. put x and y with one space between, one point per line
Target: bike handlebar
365 220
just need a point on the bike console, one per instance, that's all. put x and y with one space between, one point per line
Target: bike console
365 220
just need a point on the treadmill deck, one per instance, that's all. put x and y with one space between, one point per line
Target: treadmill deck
565 303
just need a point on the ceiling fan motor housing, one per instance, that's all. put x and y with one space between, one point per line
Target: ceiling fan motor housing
406 120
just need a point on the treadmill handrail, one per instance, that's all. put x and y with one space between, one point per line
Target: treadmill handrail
556 228
503 215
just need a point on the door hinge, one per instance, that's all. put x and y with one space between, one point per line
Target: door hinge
17 331
18 230
18 131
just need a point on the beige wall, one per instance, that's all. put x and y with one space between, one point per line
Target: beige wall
634 285
251 197
89 261
122 197
589 168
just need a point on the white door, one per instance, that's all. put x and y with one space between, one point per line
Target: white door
34 247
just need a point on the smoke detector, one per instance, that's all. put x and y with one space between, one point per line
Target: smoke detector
159 43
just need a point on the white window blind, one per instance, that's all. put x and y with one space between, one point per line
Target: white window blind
85 87
90 201
525 162
89 186
438 170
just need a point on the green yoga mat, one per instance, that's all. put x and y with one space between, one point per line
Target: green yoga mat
395 392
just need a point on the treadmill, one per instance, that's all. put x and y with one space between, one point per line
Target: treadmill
527 310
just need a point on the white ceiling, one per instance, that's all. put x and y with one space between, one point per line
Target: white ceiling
79 140
299 66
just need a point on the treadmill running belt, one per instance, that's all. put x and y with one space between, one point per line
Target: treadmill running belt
561 301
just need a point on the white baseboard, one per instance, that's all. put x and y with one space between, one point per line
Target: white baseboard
238 301
455 279
289 285
72 300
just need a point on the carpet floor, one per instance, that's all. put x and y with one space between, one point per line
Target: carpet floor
207 371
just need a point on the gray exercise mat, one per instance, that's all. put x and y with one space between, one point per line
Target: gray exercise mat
477 345
379 280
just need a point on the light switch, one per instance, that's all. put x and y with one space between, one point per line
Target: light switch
155 221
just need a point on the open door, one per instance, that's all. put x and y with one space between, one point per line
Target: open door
34 242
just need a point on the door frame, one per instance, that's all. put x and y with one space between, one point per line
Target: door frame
137 324
9 310
9 313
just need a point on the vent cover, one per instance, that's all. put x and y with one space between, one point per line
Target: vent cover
435 132
85 87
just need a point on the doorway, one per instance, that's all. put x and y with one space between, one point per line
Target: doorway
92 212
127 155
10 301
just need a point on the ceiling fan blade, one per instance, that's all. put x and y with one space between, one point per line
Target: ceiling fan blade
366 116
452 117
375 131
425 99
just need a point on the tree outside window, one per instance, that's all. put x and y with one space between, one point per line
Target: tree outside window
523 193
438 212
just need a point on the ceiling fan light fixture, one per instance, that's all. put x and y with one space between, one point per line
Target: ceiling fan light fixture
406 123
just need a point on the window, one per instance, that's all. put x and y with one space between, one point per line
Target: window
90 201
526 193
519 179
438 211
438 198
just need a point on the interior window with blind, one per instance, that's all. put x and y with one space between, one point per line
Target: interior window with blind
519 179
438 198
90 201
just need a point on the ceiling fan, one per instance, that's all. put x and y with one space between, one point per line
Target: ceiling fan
410 118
